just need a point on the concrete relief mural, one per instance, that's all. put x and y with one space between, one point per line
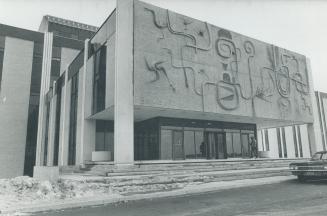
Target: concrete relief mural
216 63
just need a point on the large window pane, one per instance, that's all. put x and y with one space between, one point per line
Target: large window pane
189 145
280 153
200 145
237 144
229 145
245 145
166 145
99 85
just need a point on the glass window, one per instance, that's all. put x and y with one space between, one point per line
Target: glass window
245 145
73 121
300 140
295 142
99 85
229 145
284 142
166 145
280 153
200 145
104 137
189 145
237 144
266 140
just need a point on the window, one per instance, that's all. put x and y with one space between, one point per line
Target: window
73 121
295 142
55 64
104 140
284 142
280 153
57 122
300 140
189 145
266 140
99 85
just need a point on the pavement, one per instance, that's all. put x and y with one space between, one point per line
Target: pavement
105 199
287 198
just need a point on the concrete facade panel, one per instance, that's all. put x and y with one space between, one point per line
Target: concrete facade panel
180 63
14 95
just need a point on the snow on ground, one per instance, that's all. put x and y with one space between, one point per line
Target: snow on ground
24 190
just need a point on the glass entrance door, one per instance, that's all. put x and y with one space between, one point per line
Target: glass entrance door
178 148
215 143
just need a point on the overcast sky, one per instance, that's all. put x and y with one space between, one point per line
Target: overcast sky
297 25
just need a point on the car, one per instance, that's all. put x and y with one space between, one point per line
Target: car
315 168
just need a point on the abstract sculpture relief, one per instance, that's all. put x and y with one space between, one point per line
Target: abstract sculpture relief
238 77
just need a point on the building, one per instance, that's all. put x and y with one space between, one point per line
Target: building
162 86
153 85
24 54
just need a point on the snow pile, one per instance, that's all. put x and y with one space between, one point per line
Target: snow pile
26 190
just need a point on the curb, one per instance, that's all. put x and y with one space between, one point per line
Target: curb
188 190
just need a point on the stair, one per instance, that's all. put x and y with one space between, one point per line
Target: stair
223 169
145 176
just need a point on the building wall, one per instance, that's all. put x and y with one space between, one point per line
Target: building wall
301 140
320 123
14 94
180 62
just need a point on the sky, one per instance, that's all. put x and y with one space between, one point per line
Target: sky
297 25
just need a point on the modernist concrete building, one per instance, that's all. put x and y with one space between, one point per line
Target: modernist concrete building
153 85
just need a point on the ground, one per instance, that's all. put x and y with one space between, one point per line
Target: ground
285 198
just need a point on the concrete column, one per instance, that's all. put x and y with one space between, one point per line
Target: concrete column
45 84
52 125
314 126
89 126
64 122
82 88
124 103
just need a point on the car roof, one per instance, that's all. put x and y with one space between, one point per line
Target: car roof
321 152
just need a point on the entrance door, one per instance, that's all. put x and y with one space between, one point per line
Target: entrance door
178 148
215 143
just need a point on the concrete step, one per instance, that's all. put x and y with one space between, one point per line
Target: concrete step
145 169
167 178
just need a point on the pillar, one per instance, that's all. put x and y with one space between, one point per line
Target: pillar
124 103
45 84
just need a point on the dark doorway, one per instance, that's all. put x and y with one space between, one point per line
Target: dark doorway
216 145
178 147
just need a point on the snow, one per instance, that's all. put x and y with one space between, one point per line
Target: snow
25 191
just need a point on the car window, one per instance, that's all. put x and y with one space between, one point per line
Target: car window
324 157
316 156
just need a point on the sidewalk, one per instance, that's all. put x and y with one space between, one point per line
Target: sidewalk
186 189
